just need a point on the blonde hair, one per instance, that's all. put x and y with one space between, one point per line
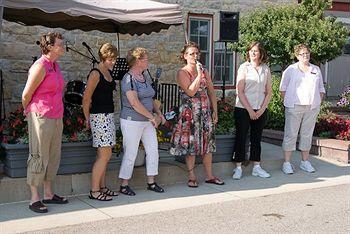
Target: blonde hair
134 54
107 51
49 39
300 47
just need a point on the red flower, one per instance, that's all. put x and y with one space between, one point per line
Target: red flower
74 137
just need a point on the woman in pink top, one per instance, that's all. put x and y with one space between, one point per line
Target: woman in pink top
42 101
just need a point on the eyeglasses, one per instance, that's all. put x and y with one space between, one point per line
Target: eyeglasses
254 51
194 53
304 54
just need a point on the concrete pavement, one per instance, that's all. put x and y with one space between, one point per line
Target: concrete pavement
16 217
322 210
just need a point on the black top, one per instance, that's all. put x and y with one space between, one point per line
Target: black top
102 98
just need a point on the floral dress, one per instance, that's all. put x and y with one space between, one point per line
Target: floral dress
194 132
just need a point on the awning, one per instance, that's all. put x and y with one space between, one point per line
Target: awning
122 16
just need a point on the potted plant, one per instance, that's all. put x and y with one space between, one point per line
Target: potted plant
77 156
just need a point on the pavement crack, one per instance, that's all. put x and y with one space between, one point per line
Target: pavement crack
111 217
279 216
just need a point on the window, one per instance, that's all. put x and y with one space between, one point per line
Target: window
200 33
219 63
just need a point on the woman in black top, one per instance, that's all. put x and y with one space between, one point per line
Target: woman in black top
99 114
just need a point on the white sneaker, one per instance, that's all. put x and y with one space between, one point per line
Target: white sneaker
258 171
306 166
287 168
237 173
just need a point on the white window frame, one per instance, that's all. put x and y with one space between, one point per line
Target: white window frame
231 66
209 39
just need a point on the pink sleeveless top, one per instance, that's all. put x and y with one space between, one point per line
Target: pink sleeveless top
47 98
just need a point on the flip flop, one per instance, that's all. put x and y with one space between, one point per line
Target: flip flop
216 181
194 182
55 200
38 207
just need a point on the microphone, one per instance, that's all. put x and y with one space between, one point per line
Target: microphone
200 65
37 42
86 45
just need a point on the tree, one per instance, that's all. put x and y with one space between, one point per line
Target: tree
280 28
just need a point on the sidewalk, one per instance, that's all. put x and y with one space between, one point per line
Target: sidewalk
16 217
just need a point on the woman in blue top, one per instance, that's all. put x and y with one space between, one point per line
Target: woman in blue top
137 121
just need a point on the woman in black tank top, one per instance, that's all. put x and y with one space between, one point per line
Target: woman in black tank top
99 115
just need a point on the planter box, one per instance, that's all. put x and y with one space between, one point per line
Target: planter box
224 150
77 157
323 147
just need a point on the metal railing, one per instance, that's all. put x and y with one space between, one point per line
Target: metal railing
169 95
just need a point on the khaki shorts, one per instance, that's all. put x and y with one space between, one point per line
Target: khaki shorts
45 140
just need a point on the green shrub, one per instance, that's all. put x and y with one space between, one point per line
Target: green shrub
276 108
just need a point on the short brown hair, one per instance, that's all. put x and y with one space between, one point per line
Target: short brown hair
185 48
135 53
49 39
299 47
263 54
107 51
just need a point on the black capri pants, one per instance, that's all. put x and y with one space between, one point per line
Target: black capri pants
243 123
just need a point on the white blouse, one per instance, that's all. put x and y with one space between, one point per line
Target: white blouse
302 88
255 84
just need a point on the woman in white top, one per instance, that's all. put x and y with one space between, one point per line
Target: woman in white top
253 96
302 90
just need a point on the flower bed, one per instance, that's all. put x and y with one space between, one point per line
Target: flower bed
15 129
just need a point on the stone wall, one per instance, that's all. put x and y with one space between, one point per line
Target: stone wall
17 46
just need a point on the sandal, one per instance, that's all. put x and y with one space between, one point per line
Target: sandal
100 197
38 207
216 181
56 200
108 192
126 190
155 187
193 185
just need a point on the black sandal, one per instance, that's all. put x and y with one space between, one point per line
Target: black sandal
56 200
108 192
38 207
155 187
100 197
126 190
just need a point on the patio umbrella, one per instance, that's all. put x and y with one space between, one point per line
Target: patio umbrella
121 16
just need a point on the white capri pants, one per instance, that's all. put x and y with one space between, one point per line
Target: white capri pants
300 117
133 132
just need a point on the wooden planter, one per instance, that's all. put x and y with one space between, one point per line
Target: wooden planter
77 157
224 150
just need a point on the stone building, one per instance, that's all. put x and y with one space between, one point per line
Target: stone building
18 47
